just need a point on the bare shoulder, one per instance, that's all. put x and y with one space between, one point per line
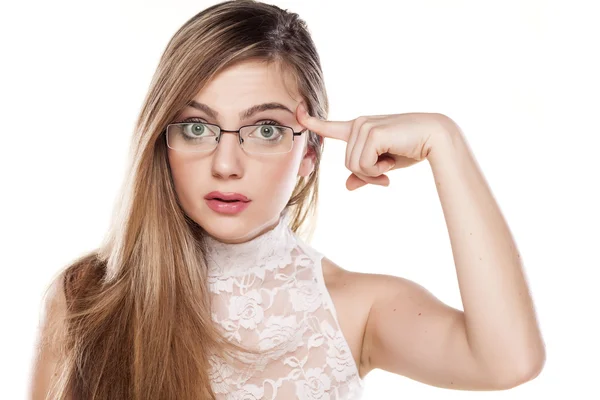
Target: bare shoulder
67 286
353 294
366 288
50 332
54 310
365 300
337 275
349 284
405 329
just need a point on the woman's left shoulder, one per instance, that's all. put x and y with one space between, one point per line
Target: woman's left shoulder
353 295
360 285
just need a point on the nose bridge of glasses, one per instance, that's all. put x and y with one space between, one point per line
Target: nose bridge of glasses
241 133
237 138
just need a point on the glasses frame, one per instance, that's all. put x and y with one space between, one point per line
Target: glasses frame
239 135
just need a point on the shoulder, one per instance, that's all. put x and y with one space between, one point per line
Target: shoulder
54 306
66 286
50 336
62 290
368 287
355 295
369 291
363 288
365 301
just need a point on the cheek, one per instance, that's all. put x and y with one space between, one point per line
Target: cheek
277 174
278 177
183 178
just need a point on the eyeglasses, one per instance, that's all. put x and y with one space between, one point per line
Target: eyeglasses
200 137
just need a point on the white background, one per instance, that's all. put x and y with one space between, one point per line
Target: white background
519 77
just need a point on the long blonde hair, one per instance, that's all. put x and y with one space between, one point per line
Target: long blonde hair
138 322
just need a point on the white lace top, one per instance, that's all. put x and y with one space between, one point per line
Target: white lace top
269 294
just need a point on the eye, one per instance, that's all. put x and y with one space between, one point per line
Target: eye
194 127
266 131
269 130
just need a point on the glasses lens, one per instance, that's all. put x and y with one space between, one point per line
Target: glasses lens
267 139
192 136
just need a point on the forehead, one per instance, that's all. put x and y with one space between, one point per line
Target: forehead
248 83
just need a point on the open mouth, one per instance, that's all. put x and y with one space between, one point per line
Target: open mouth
227 203
227 198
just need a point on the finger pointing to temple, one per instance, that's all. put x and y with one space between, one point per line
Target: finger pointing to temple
332 129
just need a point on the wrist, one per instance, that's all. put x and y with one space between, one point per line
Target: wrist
444 139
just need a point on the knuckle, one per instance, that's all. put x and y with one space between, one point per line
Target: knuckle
360 120
375 131
367 127
362 163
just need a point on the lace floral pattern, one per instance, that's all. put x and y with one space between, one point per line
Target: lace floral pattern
269 294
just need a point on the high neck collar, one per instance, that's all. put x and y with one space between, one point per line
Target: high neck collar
239 258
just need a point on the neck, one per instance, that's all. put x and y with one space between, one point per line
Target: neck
237 258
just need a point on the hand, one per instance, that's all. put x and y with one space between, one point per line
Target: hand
380 143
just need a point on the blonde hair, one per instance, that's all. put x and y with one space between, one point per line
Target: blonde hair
138 322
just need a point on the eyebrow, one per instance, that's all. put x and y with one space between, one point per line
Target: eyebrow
244 114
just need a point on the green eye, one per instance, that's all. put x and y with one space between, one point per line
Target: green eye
197 129
267 131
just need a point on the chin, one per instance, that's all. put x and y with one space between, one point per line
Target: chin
236 228
229 229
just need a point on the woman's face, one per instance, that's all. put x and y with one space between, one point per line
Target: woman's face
267 180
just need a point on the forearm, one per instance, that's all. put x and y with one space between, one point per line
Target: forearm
500 320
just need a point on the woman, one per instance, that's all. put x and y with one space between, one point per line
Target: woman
204 289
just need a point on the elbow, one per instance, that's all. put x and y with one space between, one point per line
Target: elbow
525 372
533 365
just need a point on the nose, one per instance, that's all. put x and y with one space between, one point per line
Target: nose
227 158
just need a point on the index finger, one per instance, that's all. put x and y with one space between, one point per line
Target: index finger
332 129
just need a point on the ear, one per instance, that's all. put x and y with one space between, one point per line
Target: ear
307 165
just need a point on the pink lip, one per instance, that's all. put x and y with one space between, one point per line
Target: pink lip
235 203
226 196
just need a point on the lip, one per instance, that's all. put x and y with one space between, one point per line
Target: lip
235 203
227 196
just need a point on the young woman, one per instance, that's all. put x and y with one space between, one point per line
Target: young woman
203 287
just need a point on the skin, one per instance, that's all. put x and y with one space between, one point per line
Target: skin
495 343
389 322
267 180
